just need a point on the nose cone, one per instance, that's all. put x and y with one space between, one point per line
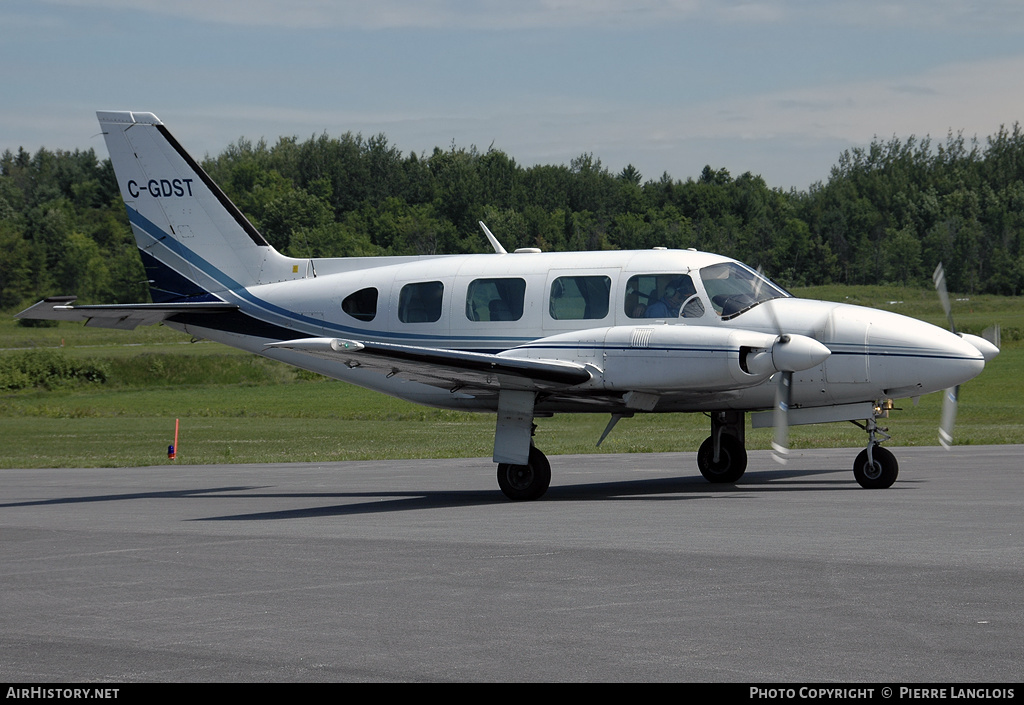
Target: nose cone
959 361
987 349
908 355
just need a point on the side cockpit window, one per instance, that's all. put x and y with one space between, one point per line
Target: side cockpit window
662 296
361 305
420 302
495 299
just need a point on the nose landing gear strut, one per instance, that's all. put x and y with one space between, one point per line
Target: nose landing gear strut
876 468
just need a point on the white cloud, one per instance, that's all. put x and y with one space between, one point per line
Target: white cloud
1002 15
973 97
792 137
421 14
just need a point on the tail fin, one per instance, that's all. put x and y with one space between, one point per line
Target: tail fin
193 240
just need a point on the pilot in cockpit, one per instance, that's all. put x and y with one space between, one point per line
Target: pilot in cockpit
677 291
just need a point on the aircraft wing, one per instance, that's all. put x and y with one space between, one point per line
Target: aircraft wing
449 369
122 316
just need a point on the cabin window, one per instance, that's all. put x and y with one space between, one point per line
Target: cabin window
361 304
495 299
662 296
420 302
577 298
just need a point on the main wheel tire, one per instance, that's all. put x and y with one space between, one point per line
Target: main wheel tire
525 482
878 474
732 460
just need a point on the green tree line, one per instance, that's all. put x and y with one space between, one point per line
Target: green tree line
886 213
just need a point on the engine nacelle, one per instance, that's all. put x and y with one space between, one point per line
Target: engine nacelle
674 358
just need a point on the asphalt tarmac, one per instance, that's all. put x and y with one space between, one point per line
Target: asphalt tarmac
631 568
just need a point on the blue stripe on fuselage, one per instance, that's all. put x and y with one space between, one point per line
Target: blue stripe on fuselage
305 325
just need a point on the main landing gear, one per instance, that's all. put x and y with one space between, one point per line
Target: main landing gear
525 482
722 458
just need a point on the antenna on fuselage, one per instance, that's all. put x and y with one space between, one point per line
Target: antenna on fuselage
493 240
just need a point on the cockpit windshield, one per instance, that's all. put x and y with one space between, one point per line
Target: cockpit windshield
734 288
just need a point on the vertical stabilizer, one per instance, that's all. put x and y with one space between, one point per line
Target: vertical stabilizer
193 240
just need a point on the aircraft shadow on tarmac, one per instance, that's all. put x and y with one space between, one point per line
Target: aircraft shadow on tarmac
163 494
658 489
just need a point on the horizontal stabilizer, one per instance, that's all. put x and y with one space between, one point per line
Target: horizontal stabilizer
449 369
122 316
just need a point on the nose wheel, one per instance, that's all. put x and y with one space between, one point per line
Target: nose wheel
876 467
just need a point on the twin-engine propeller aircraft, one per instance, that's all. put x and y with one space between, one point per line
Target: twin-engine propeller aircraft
524 334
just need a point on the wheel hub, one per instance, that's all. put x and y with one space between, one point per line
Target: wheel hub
872 470
520 476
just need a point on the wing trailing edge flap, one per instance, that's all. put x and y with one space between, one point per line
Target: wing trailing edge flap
450 369
121 316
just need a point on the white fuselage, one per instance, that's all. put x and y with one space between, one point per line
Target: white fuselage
595 309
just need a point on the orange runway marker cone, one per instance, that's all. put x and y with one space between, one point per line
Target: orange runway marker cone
172 450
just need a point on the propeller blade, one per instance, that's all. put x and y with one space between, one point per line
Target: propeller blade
769 305
949 403
783 391
993 334
939 277
951 395
784 386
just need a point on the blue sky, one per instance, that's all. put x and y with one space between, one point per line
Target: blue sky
779 88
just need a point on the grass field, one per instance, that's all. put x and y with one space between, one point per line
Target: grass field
235 407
